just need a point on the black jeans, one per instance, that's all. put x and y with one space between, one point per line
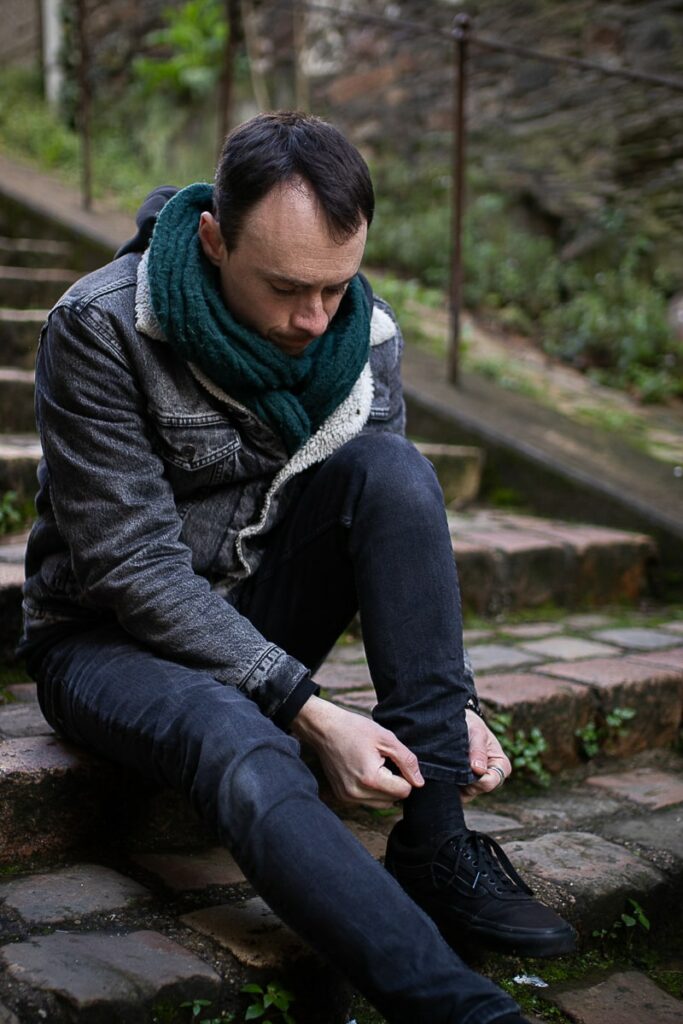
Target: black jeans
368 531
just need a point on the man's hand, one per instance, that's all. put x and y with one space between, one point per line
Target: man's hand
485 751
353 750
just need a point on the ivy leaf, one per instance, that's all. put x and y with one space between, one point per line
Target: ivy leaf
252 988
254 1011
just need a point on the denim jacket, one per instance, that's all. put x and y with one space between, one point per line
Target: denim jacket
157 490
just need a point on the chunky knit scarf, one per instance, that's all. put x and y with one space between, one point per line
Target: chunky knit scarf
293 395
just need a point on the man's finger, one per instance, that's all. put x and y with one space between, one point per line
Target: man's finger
478 761
394 786
405 760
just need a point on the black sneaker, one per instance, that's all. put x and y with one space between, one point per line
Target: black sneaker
471 891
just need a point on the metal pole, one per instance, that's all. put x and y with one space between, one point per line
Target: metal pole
84 105
461 28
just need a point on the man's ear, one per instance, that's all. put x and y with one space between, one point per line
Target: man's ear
211 238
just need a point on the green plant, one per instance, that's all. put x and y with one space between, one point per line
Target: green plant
524 749
193 40
631 920
197 1005
273 998
599 733
10 514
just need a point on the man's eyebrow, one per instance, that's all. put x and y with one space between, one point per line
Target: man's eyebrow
296 283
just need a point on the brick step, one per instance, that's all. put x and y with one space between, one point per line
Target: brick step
594 686
459 469
176 924
505 562
579 695
19 458
19 333
34 252
509 561
33 288
16 401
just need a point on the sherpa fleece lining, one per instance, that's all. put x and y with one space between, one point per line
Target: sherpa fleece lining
345 422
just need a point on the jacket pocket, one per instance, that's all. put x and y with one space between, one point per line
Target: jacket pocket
197 452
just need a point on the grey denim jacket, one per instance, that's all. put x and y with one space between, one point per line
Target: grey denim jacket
157 491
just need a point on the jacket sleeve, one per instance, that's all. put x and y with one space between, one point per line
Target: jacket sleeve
115 510
388 410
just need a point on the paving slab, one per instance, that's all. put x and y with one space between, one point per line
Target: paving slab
343 676
676 626
645 786
251 932
568 648
557 707
190 871
587 620
107 977
6 1015
459 469
661 830
485 657
374 842
359 700
68 893
627 997
671 658
487 821
16 400
531 630
347 653
23 719
594 875
24 692
654 691
562 808
638 637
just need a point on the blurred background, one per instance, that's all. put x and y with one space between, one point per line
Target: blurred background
572 178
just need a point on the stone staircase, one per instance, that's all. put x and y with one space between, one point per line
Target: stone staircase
115 903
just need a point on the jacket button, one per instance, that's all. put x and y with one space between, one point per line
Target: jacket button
188 451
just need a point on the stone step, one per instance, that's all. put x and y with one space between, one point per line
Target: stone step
560 693
506 562
16 401
19 458
33 288
172 924
609 693
459 469
19 333
34 252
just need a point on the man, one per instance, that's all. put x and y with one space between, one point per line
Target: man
225 483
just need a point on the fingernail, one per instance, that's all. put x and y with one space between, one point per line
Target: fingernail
479 764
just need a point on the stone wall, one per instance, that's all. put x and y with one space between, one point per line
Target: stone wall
567 145
20 36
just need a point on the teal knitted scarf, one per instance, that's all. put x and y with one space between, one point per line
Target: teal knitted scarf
293 395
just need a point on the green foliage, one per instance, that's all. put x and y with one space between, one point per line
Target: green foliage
524 749
196 1006
631 920
605 313
273 1000
10 513
193 40
596 735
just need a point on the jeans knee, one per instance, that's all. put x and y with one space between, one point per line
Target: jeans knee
392 468
258 781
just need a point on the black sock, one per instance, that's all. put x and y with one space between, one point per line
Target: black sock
431 811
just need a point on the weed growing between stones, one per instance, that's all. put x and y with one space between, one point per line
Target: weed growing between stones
273 999
197 1005
632 918
523 748
596 735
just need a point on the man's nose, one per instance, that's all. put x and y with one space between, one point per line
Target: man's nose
310 317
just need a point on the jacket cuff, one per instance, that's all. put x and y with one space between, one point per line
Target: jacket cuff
291 707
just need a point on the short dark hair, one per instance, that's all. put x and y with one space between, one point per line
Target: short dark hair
272 149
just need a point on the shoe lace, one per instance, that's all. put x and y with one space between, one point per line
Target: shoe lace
484 858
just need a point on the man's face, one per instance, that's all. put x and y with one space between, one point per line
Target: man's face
286 276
